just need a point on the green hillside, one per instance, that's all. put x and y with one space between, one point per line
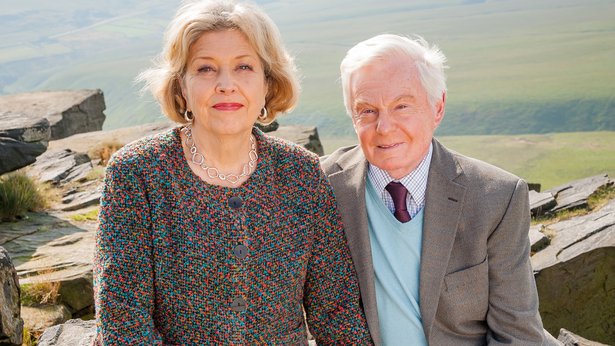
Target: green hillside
549 159
516 66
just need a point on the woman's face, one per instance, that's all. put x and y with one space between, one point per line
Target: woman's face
224 85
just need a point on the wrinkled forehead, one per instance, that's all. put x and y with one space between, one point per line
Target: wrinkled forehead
393 71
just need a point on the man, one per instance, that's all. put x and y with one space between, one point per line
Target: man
439 240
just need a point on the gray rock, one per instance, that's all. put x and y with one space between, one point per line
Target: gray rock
22 238
538 240
534 186
570 339
269 127
88 142
67 261
68 112
574 275
575 194
61 166
72 333
11 324
39 318
21 140
80 200
305 136
24 129
541 202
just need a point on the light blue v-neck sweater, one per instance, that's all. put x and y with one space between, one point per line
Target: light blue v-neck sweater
396 255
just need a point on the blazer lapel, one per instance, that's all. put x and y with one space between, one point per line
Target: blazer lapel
443 204
349 186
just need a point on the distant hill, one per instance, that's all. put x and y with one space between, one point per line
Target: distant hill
516 66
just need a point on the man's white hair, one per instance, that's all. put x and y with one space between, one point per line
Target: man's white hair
429 60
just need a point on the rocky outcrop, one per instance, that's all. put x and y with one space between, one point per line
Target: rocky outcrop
305 136
574 275
50 250
68 112
76 200
61 166
575 194
11 324
568 338
39 318
72 333
21 140
538 240
541 202
66 261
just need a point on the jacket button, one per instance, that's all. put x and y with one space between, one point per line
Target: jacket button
239 304
235 202
241 251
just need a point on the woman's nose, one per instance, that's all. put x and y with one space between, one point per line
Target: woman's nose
226 83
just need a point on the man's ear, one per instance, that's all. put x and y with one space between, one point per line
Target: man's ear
439 109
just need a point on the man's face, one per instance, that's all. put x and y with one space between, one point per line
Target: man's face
392 115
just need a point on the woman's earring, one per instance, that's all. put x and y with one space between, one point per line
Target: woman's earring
188 116
264 114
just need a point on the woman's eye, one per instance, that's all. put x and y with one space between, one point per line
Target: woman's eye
205 69
245 67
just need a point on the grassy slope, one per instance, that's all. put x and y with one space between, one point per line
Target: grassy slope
535 77
554 72
549 159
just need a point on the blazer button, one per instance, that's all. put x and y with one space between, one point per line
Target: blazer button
239 304
241 251
235 202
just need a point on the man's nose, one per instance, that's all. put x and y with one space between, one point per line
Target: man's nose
386 122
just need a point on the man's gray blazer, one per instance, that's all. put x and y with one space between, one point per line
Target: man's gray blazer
476 282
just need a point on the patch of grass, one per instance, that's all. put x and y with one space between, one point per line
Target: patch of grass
601 197
98 172
105 150
40 293
560 216
29 339
18 195
548 159
91 215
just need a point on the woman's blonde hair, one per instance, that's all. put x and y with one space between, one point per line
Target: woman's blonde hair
195 18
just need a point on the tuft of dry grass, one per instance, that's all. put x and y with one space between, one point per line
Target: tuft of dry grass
29 339
40 293
20 194
601 197
105 150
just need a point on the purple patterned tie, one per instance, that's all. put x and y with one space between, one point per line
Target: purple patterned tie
398 193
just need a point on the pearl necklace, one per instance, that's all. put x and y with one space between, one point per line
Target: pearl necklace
213 172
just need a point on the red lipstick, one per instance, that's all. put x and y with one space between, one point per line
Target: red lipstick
228 106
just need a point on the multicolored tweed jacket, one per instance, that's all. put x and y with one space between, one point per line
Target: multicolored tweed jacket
183 262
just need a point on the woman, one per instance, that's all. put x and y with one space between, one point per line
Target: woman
214 233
